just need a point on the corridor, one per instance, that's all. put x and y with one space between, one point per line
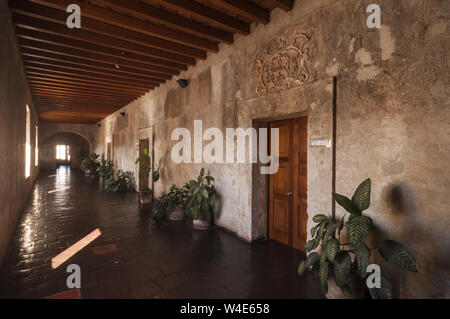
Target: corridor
151 259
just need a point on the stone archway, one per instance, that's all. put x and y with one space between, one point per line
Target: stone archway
47 130
78 149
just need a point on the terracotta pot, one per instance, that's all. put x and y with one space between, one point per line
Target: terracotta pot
356 284
145 197
203 222
177 214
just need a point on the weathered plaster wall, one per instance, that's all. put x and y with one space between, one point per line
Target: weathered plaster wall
393 124
14 96
79 149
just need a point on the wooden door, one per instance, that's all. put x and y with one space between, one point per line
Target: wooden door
288 188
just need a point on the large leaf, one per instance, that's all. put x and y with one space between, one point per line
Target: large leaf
398 255
347 204
361 198
301 268
312 259
331 248
323 275
347 291
358 228
205 193
313 230
385 292
342 265
362 254
312 244
319 218
330 232
321 230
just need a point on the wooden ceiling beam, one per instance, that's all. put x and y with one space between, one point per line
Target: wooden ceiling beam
84 49
32 44
80 88
174 21
67 99
75 91
96 43
123 21
244 8
286 5
73 63
70 108
49 70
83 82
56 16
205 14
51 103
60 95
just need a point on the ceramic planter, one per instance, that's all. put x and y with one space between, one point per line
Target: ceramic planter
355 283
145 197
177 214
203 222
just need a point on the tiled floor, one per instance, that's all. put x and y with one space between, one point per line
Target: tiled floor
136 257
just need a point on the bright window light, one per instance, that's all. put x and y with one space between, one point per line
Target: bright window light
28 144
61 152
36 149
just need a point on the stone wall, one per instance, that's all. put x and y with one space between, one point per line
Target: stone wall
392 120
14 96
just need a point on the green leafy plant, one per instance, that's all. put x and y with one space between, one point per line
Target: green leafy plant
90 163
200 196
168 201
120 182
105 169
146 167
326 234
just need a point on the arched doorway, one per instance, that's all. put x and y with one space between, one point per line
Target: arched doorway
63 149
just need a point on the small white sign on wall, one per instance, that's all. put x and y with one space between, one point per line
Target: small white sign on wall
322 143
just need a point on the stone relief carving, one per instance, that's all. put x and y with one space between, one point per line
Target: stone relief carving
284 64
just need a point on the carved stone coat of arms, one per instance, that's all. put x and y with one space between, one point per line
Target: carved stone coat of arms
283 64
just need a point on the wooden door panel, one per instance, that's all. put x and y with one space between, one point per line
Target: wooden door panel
284 141
280 180
288 190
281 217
280 206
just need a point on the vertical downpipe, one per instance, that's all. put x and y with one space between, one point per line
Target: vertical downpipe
333 179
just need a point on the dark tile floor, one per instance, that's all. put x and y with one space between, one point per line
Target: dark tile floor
139 258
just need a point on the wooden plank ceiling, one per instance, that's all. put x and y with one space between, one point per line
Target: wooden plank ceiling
124 48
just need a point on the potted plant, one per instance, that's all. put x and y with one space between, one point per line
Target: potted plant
341 267
176 201
200 200
105 170
145 167
90 164
120 182
171 204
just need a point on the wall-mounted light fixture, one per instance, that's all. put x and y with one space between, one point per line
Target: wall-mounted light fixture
183 83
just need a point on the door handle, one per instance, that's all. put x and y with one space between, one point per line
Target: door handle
289 194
